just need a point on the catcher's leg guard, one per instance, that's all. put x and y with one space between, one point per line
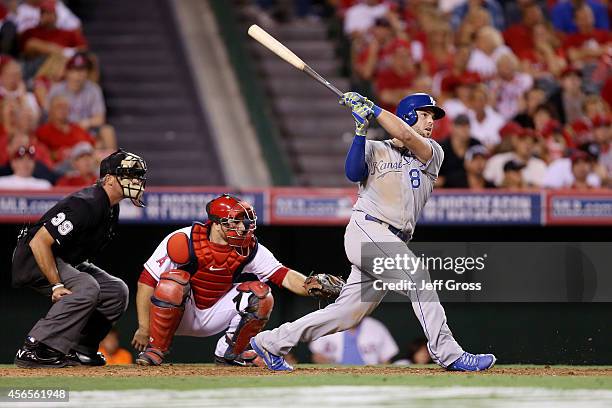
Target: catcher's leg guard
255 315
167 307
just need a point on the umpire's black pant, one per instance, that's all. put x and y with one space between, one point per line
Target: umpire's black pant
78 321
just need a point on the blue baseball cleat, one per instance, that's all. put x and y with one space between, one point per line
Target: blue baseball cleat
472 362
274 362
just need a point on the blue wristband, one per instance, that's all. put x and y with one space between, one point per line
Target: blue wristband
377 110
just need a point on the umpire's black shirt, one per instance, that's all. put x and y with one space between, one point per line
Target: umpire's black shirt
81 224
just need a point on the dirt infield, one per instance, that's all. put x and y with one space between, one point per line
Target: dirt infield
187 370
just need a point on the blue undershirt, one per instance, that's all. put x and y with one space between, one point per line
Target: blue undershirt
355 167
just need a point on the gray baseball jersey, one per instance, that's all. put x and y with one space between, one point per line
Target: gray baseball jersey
398 184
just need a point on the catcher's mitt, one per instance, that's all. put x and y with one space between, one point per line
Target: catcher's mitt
323 286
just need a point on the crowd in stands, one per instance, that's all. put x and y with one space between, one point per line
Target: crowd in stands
526 85
53 128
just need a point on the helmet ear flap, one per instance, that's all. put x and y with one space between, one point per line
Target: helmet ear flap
411 117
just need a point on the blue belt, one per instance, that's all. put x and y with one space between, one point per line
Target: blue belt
404 236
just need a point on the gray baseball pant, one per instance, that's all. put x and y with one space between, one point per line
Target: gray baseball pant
78 321
360 297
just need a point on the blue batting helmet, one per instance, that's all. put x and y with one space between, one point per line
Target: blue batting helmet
408 106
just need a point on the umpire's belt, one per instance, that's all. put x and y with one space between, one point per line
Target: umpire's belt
403 235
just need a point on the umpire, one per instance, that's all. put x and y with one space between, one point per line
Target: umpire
52 258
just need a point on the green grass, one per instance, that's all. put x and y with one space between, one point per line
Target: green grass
280 380
118 382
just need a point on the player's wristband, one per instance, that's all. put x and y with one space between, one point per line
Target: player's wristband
57 285
377 110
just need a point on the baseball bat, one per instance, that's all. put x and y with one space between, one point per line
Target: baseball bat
271 43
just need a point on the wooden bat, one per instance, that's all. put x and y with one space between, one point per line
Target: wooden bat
285 53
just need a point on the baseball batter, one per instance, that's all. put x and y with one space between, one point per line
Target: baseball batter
396 178
207 278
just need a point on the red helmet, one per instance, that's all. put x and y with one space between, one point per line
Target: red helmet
237 217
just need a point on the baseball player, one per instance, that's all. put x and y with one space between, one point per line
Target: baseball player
396 178
210 277
52 258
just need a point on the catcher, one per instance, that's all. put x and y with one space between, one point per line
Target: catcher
211 277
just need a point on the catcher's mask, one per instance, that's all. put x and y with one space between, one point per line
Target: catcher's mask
237 219
130 171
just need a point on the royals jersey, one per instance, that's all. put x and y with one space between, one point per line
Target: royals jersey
263 265
398 184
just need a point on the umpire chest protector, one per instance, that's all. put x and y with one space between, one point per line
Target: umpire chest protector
214 268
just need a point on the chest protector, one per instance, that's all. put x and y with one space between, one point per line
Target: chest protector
216 267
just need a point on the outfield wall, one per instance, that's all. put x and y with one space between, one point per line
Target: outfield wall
516 332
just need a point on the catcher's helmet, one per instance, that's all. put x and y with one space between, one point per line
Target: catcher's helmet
237 217
406 109
130 170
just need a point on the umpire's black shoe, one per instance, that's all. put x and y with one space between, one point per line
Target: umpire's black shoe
34 354
75 358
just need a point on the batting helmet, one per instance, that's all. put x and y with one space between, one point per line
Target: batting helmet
408 106
237 217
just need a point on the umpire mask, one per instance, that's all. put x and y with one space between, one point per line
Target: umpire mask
130 171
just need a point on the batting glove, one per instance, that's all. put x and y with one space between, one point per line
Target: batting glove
354 100
361 114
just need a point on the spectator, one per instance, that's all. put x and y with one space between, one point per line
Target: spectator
491 6
42 156
452 171
368 343
416 353
50 73
532 100
29 13
84 168
513 179
395 82
13 90
59 134
556 141
22 164
602 135
460 87
470 174
582 166
474 165
488 47
560 173
113 352
87 107
439 53
587 44
47 39
542 117
562 15
8 30
374 51
476 19
519 37
361 17
546 59
570 98
593 106
523 145
509 85
485 122
509 130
